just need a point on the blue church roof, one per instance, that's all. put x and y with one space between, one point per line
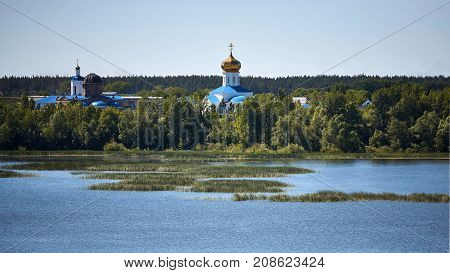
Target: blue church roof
77 78
77 97
99 104
213 99
47 100
238 99
228 94
230 89
115 97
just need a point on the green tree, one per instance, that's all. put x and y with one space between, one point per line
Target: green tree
108 129
442 135
378 139
127 129
120 87
398 134
424 131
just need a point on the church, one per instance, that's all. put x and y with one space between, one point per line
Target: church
87 90
231 92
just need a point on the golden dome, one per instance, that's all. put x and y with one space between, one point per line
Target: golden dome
230 64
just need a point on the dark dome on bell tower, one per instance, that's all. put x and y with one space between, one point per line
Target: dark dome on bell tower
92 85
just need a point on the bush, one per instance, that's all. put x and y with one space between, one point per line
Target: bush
199 147
215 147
114 146
331 149
235 148
380 150
291 149
259 148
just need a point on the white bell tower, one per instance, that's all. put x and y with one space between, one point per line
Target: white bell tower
76 83
231 68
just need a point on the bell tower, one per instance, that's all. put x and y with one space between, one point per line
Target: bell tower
231 67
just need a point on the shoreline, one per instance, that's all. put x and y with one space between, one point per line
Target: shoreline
226 155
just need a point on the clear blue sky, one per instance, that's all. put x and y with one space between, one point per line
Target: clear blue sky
272 38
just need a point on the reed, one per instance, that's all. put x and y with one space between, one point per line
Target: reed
241 185
335 196
146 182
8 174
187 175
234 171
248 196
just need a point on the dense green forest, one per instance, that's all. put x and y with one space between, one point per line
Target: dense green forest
15 86
403 117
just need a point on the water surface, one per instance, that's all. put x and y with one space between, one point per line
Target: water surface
54 212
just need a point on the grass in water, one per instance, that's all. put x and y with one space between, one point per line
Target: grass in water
172 182
168 174
8 174
241 185
335 196
185 177
143 182
232 171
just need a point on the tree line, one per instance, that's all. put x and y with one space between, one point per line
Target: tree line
403 117
58 85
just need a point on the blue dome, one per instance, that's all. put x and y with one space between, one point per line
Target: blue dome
238 99
99 104
213 99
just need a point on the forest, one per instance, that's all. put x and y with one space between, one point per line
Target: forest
11 86
405 117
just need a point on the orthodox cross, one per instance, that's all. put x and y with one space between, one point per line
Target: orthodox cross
231 47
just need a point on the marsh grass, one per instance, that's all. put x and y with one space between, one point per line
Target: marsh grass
335 196
167 174
210 198
233 171
125 186
185 177
240 185
143 182
9 174
183 182
140 167
249 196
50 165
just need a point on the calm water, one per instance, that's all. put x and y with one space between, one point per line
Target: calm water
53 212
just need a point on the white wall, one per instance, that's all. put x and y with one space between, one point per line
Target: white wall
79 88
231 79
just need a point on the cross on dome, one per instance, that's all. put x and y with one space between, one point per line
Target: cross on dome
230 64
231 46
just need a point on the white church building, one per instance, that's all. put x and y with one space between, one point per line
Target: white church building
231 92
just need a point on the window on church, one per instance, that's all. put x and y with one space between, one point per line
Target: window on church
234 79
75 89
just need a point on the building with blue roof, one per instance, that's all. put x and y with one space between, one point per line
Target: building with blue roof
231 92
86 90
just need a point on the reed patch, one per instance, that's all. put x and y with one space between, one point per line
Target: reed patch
336 196
11 174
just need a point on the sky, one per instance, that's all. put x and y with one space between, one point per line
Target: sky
271 38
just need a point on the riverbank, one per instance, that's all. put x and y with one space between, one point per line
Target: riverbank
222 155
